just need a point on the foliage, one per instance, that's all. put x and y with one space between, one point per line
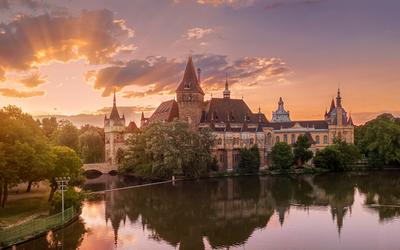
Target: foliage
166 149
379 140
249 160
301 151
337 157
91 146
49 126
71 198
66 163
67 135
282 155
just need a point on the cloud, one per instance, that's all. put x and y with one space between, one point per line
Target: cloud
33 80
30 41
19 94
160 75
282 3
197 33
232 3
2 74
33 4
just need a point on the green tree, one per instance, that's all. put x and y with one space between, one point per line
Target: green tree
49 126
249 160
379 140
91 146
72 198
282 155
349 153
301 151
166 149
329 158
67 135
66 163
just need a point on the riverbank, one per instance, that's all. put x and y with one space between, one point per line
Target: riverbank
22 206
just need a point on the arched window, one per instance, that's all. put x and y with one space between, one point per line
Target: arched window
251 141
325 139
293 139
219 142
285 138
277 139
340 135
317 139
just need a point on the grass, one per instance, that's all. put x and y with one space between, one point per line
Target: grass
21 210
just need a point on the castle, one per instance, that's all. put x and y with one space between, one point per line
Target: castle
232 123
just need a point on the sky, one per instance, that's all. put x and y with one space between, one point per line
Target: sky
66 57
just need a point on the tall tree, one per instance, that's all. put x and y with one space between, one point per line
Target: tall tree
301 151
249 160
66 164
49 126
282 155
67 135
91 146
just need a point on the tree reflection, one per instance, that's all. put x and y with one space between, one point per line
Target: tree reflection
227 211
69 238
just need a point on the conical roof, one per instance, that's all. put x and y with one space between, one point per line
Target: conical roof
114 111
332 106
190 83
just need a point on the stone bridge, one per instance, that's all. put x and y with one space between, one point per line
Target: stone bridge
104 168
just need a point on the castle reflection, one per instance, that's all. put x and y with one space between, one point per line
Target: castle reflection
227 211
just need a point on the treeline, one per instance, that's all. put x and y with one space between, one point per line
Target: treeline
32 151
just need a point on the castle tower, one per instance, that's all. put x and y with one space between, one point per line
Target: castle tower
280 115
227 92
114 128
190 96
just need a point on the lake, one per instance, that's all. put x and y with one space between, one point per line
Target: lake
329 211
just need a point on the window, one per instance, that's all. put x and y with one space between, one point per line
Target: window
325 139
293 139
221 158
317 139
277 139
251 141
285 138
219 141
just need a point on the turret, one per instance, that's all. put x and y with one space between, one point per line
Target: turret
227 92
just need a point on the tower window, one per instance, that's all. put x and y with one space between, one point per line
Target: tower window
317 139
325 139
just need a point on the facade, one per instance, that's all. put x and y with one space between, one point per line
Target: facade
116 134
235 126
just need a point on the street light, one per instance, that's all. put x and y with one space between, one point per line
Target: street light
62 183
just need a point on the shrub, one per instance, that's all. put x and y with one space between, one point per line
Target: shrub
282 155
71 198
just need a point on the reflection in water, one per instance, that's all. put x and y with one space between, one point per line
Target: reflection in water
256 212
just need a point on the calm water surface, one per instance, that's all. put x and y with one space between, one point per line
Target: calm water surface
332 211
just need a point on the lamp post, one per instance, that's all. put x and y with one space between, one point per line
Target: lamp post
62 183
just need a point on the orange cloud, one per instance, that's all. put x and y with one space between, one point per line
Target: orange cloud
33 80
28 41
19 94
160 75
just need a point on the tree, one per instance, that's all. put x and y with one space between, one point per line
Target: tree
66 163
49 126
166 149
301 151
349 152
379 140
67 135
282 155
249 160
91 146
329 158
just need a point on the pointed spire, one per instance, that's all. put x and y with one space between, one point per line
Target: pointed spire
259 109
190 81
350 121
142 117
332 106
114 111
227 92
338 99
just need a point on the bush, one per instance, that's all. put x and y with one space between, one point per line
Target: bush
282 155
249 160
329 158
71 198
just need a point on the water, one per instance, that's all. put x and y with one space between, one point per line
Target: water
331 211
